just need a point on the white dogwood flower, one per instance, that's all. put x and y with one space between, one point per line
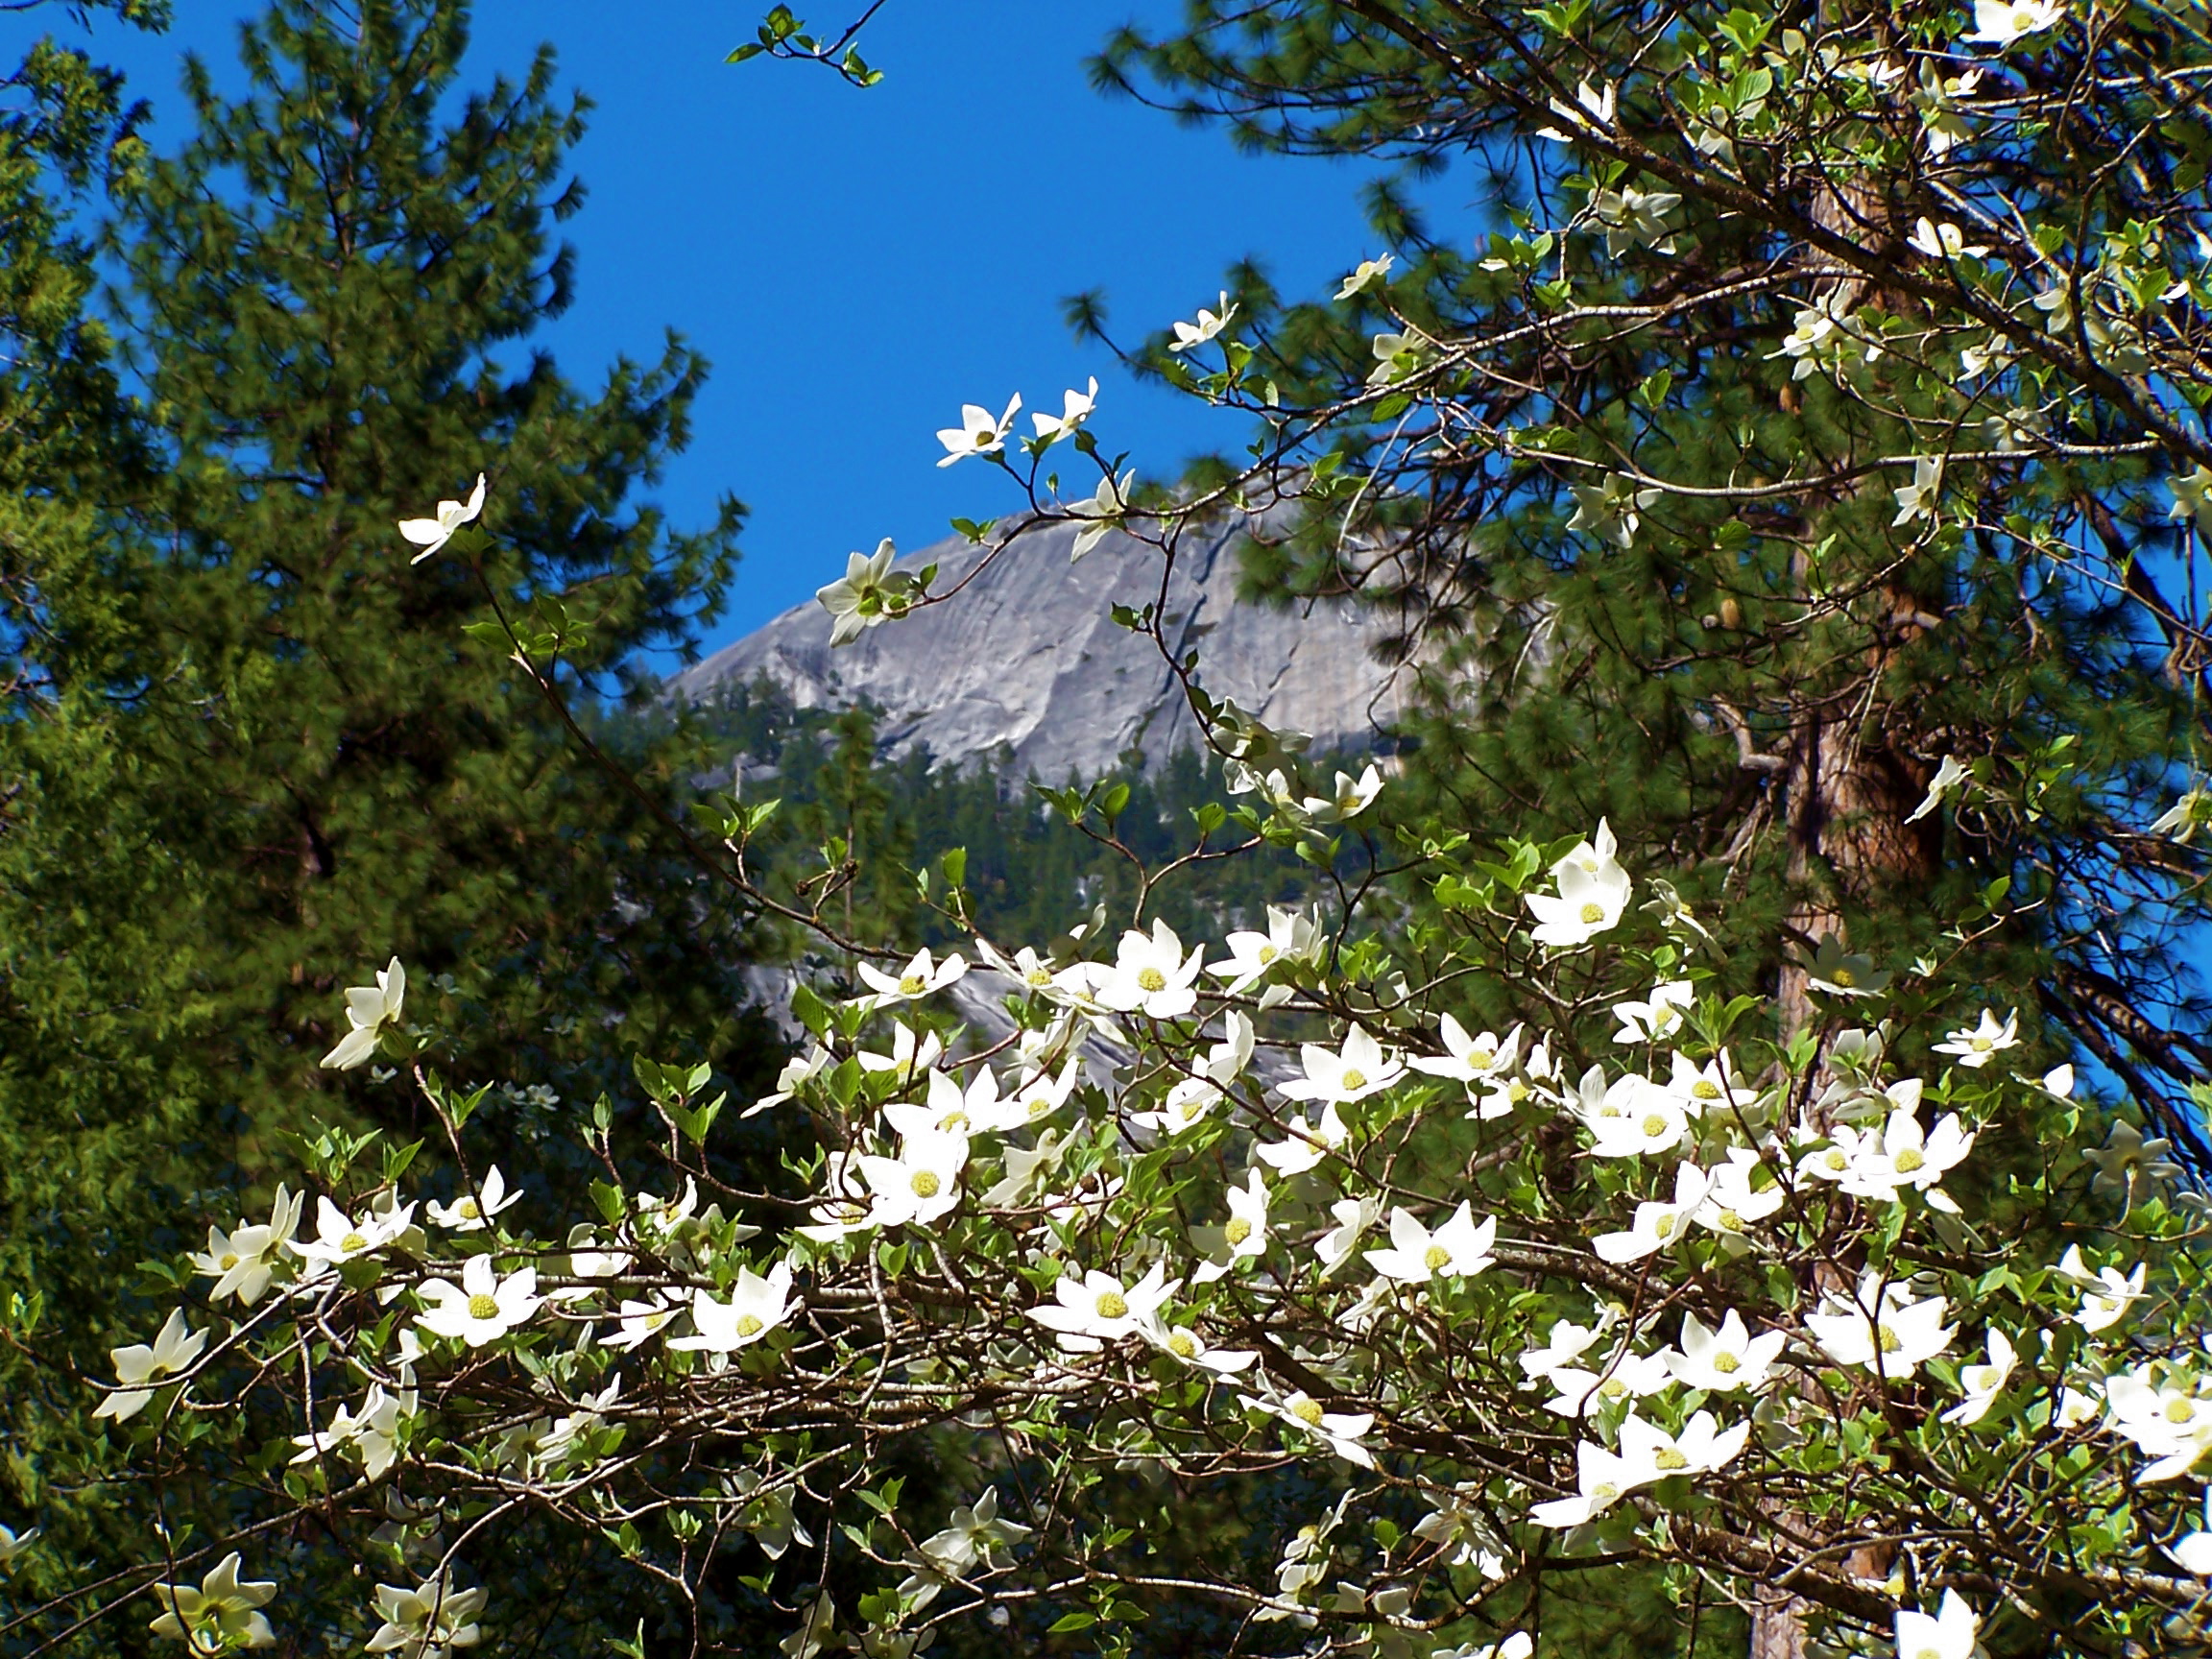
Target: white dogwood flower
924 976
222 1615
483 1307
920 1185
1340 1076
1722 1361
1581 1393
342 1237
1364 273
1339 1431
432 534
1884 1333
427 1622
1984 1383
1097 1309
2107 1295
1100 512
1462 1246
1977 1047
864 597
472 1212
2001 22
140 1368
242 1262
756 1306
1657 1018
1657 1223
1592 891
1075 408
369 1010
1152 975
372 1432
977 433
1189 335
1951 1634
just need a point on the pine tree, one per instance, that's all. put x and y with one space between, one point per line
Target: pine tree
252 751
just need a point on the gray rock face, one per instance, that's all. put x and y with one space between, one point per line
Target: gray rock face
1028 656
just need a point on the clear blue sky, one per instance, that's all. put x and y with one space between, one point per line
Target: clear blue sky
855 264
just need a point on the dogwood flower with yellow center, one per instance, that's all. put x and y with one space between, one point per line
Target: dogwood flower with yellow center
1708 1088
1340 1076
1735 1200
427 1622
866 595
1192 1349
372 1432
1658 1019
1152 975
1244 1237
909 1057
432 534
1347 800
1100 512
638 1323
1307 1143
1289 937
140 1369
1882 1331
798 1072
1944 241
1658 1223
1460 1247
1075 408
1722 1361
1603 1476
2165 1416
1468 1060
1919 498
2001 22
1593 892
919 1185
241 1263
1097 1309
1567 1343
14 1543
2107 1295
483 1307
1339 1431
1190 335
977 433
1953 1632
222 1615
1902 1155
1368 270
342 1237
924 976
756 1306
1984 1383
472 1212
951 1110
1984 1042
1580 1393
1635 1118
369 1010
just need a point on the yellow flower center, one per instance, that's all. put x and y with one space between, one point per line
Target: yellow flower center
925 1184
953 1123
1112 1305
1730 1221
1669 1459
1927 1653
1727 1364
1482 1059
1436 1258
1604 1491
1664 1227
1836 1160
483 1307
1654 1124
1308 1412
1355 1078
1704 1088
985 436
748 1325
1151 979
1039 977
1844 977
1593 914
1612 1389
467 1210
1238 1231
913 985
230 1261
1266 953
1980 1044
1183 1345
352 1241
2179 1411
1908 1161
1891 1342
